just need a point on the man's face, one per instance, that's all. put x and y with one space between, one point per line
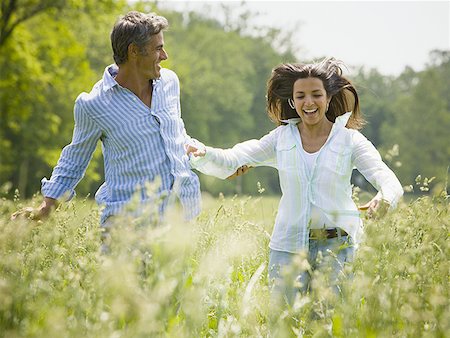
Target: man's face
151 55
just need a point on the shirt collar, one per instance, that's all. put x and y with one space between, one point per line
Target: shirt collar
109 77
294 120
341 121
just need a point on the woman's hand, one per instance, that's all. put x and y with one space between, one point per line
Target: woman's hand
375 208
196 151
201 152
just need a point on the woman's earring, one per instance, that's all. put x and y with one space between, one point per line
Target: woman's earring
291 103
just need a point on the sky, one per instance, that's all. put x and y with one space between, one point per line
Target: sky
386 35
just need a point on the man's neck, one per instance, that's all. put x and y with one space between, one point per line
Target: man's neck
129 78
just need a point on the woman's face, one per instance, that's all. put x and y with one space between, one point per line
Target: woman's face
310 100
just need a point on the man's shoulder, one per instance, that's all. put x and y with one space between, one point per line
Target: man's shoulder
92 96
168 75
98 91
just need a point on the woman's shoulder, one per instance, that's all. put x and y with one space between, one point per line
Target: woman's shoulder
351 133
284 130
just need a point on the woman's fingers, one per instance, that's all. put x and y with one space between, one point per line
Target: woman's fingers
190 149
375 208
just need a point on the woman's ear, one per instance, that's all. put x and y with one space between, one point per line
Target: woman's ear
291 103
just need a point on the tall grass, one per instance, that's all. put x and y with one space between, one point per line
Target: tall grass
208 278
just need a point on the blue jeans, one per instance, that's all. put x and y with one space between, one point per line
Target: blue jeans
288 274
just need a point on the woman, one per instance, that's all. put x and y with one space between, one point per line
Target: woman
315 148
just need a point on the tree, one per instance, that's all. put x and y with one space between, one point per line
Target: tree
422 120
376 94
44 68
13 13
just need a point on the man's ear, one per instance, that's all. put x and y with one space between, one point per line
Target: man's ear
133 50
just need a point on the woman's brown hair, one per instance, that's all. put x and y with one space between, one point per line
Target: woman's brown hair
344 97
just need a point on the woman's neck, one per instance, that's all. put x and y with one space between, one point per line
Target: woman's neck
315 131
314 136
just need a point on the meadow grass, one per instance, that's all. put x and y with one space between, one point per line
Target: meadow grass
208 278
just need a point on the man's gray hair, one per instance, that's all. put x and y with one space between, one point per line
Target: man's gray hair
135 27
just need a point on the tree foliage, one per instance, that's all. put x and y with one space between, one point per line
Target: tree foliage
53 50
421 121
44 66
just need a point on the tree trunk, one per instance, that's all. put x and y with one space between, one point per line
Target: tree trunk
23 177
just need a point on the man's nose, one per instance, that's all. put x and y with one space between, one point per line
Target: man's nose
164 55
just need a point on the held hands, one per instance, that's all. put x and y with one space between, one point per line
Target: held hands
36 214
194 150
201 152
375 208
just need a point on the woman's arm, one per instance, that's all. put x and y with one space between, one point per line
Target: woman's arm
367 160
222 163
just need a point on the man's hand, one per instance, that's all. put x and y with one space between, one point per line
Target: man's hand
240 171
375 208
38 213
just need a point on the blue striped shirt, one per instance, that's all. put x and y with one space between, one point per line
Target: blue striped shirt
139 145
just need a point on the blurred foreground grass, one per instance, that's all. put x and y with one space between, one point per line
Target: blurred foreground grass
208 278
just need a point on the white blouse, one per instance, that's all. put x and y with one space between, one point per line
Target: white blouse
327 186
318 218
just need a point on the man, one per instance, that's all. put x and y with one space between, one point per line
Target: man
135 111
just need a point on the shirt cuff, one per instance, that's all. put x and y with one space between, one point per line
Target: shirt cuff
56 190
392 196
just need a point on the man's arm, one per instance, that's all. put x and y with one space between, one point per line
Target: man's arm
71 166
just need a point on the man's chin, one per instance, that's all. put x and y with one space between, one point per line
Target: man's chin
155 76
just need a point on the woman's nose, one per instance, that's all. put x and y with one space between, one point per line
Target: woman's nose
308 101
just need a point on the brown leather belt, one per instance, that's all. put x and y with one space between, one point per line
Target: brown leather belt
325 233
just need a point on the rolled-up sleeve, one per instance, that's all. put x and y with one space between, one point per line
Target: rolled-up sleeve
224 162
74 158
367 160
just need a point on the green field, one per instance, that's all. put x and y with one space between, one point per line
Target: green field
208 278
